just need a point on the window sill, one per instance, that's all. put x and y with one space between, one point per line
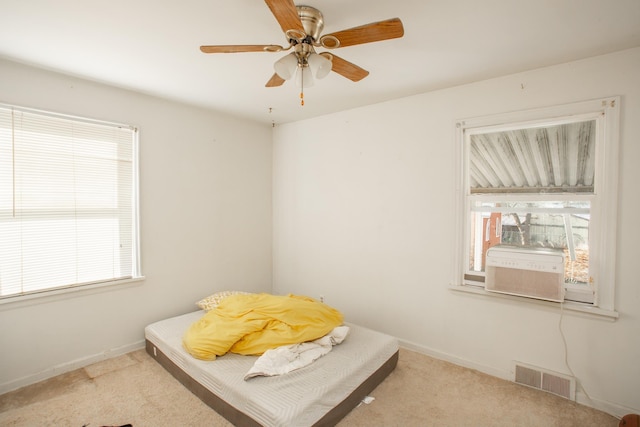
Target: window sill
64 293
567 306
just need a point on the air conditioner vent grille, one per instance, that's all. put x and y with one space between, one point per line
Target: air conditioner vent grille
525 272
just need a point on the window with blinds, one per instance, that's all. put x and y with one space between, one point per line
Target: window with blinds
543 179
68 202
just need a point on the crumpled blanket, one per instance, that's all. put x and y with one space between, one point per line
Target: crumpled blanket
288 358
254 323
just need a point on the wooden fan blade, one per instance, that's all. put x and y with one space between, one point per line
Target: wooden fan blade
241 48
286 14
346 68
376 31
274 81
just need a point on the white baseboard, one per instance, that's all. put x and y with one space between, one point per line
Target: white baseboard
69 366
610 408
505 375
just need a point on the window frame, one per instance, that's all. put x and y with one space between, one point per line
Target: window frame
135 253
603 200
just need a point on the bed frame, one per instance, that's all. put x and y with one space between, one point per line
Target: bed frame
240 419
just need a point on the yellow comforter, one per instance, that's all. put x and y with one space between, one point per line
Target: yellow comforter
255 323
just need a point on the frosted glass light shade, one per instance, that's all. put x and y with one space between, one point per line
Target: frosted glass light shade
320 65
304 78
286 66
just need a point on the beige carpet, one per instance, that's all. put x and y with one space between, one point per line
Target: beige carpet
422 391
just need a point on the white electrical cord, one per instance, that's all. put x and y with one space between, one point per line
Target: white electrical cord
566 355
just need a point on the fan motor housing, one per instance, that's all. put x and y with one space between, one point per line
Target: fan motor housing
312 21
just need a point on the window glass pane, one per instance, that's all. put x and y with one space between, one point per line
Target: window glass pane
67 208
537 182
558 158
537 224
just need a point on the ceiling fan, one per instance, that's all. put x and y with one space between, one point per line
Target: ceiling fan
302 26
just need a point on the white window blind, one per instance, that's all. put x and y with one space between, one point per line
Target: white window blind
68 202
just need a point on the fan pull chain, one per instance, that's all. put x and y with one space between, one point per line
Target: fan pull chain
301 87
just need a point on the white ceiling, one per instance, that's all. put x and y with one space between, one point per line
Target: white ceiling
153 46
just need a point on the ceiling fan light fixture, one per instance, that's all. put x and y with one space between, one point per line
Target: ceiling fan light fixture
286 66
304 77
320 66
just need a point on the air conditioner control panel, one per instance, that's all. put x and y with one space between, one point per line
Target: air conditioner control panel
526 259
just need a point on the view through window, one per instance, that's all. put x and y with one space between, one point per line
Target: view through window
544 179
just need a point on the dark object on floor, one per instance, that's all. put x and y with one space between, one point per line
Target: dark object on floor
124 425
630 420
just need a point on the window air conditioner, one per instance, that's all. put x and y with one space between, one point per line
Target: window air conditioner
528 272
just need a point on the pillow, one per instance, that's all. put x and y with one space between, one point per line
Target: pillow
212 301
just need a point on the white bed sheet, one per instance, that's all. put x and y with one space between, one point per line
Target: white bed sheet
299 398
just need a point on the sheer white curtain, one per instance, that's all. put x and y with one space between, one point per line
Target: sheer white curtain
67 201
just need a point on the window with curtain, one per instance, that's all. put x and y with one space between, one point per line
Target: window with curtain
68 202
542 179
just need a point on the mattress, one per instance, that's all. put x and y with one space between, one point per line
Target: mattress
308 396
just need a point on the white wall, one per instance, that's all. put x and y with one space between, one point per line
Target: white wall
205 225
363 215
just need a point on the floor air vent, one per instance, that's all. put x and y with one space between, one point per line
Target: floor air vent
553 382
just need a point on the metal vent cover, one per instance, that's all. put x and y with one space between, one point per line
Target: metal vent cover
545 380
